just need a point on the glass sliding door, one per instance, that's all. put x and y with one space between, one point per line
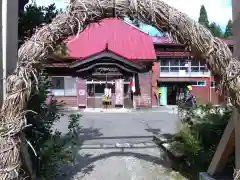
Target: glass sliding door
163 98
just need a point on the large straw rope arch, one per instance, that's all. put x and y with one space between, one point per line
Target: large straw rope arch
73 21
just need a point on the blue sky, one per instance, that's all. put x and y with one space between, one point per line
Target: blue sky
219 11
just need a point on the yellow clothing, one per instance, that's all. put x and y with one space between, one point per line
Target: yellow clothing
105 98
159 90
189 87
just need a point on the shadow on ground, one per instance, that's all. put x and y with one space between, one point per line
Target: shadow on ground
69 170
84 163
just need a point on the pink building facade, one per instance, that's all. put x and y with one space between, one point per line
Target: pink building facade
112 53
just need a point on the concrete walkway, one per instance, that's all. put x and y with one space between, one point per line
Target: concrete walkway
139 162
119 146
170 109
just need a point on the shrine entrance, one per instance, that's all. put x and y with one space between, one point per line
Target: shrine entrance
112 77
121 95
109 71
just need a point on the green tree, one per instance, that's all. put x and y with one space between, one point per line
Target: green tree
216 30
21 4
28 21
228 31
35 16
192 140
203 18
50 12
52 149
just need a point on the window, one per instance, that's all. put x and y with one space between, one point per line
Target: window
57 83
99 89
164 69
70 86
174 69
174 62
198 83
198 66
175 65
201 83
182 67
63 86
195 69
169 49
183 63
126 89
90 89
165 62
194 63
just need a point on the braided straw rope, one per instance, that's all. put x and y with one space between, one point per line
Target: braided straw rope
23 82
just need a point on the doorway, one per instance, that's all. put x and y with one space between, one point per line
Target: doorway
175 91
95 93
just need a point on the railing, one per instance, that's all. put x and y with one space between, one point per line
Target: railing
183 73
183 68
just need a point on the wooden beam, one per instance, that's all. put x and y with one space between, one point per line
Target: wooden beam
26 159
237 138
225 147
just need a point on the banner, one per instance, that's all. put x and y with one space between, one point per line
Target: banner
81 92
119 92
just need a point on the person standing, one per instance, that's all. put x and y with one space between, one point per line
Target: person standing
109 97
189 95
106 97
159 94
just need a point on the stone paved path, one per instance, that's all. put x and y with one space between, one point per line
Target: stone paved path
143 161
101 156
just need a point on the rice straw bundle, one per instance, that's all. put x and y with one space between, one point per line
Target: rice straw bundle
23 82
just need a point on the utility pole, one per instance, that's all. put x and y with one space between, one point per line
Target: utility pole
236 53
8 42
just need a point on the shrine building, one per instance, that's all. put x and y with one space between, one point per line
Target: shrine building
120 56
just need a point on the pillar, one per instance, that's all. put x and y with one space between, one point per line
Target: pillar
155 76
144 90
9 41
236 27
119 93
236 39
81 92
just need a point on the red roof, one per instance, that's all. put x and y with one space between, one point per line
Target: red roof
119 36
167 40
